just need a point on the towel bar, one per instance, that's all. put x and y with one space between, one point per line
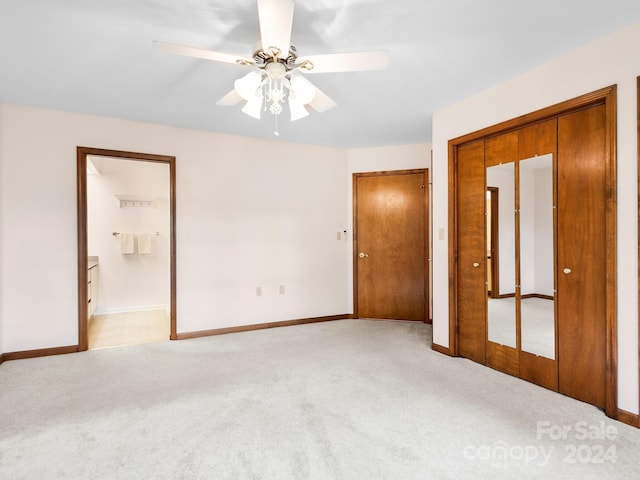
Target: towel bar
155 234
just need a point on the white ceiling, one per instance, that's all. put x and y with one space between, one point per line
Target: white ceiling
96 57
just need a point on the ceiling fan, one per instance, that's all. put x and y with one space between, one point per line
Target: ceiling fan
274 79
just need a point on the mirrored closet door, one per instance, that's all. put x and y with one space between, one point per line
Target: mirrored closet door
533 222
537 274
520 250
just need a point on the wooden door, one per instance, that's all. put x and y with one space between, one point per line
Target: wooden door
390 245
537 140
471 252
581 250
585 365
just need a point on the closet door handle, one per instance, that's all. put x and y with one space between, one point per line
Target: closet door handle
566 271
476 264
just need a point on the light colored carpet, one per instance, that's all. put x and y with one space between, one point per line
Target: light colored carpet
350 400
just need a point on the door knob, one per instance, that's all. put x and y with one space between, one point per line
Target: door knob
363 255
476 264
567 271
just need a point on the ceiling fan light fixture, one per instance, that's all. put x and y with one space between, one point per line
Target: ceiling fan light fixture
275 70
304 90
274 81
248 85
253 106
296 107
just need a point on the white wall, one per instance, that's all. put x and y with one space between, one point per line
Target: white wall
249 213
503 177
379 159
543 246
129 282
1 230
612 60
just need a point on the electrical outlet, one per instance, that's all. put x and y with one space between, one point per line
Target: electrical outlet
258 291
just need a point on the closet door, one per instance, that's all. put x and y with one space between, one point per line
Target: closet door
537 146
581 242
472 290
501 153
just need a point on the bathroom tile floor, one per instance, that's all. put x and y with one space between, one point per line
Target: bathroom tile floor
129 328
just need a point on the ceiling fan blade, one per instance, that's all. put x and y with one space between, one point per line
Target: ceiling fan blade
200 53
276 20
230 99
344 62
322 102
304 89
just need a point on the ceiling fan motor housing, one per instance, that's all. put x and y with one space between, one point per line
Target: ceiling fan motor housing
262 58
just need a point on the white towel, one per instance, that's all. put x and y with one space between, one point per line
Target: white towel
126 243
144 243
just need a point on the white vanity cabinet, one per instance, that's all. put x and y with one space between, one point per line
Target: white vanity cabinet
92 289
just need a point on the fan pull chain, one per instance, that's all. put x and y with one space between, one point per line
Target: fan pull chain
276 132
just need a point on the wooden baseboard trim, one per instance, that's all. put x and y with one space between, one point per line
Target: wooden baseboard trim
42 352
441 349
628 418
259 326
386 319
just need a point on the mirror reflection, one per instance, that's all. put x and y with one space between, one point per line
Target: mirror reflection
501 254
536 259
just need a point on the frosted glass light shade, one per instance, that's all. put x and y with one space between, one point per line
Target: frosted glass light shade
303 88
248 85
253 106
296 108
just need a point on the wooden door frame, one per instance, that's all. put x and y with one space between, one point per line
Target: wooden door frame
638 209
355 177
606 96
495 242
82 153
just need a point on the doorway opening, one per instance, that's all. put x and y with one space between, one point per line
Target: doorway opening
493 235
126 248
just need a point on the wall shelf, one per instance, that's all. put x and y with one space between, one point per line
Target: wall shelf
129 201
